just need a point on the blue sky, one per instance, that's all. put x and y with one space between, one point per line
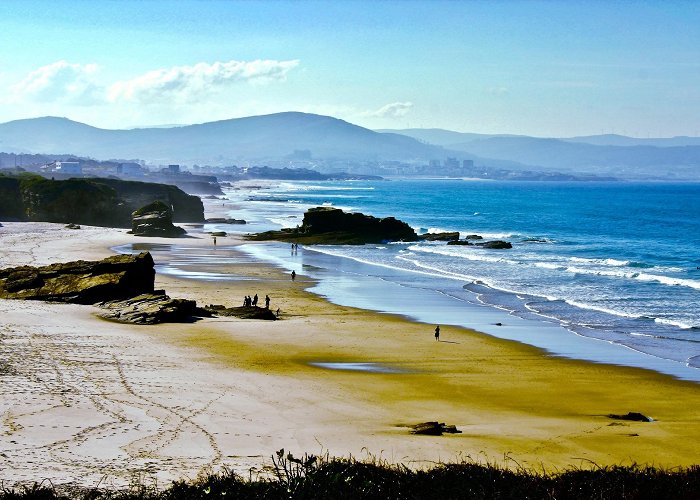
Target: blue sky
540 68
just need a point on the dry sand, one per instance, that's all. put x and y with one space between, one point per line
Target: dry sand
89 401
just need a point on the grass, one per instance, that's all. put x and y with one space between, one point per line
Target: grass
312 477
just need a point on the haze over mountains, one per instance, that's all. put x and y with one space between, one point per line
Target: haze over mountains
607 154
279 136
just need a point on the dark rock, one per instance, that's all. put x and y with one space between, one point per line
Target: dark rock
496 245
219 233
252 312
221 220
634 416
72 226
434 429
450 236
459 242
332 226
155 219
151 309
81 282
473 237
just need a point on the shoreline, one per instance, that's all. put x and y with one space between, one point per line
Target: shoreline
250 388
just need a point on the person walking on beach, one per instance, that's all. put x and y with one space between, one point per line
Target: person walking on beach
214 240
267 301
437 333
294 275
255 300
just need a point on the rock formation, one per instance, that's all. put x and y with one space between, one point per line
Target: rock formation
155 219
449 236
81 282
332 226
96 202
434 429
252 312
151 309
633 416
496 244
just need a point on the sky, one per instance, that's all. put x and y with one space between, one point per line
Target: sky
541 68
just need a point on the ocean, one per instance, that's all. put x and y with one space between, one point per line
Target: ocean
607 272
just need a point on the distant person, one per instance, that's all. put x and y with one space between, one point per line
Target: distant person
278 312
214 240
267 301
437 333
294 275
255 300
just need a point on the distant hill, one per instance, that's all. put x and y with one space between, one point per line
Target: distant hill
677 157
257 137
441 137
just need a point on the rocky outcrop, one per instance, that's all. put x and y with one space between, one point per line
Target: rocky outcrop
434 429
96 202
332 226
81 282
496 244
221 220
243 312
633 416
155 219
151 309
449 236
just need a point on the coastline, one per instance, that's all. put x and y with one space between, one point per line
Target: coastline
229 391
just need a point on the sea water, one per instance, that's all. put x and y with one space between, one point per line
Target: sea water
617 262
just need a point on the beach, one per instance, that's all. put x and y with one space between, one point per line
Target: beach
100 403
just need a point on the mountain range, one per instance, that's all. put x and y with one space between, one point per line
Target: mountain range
288 135
252 138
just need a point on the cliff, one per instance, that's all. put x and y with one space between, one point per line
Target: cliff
96 202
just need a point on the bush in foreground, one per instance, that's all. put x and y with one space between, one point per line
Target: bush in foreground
313 478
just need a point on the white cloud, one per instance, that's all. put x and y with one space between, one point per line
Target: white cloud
59 81
187 83
393 110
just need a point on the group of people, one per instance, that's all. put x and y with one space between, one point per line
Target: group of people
253 302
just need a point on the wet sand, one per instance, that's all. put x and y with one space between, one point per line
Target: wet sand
88 401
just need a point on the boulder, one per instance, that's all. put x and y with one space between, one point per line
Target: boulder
251 312
473 237
449 236
155 219
72 226
434 429
222 220
332 226
633 416
151 309
81 282
496 245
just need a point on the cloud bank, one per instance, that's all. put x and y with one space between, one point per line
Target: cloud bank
78 84
187 83
59 81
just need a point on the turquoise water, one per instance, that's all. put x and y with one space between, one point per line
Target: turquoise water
616 262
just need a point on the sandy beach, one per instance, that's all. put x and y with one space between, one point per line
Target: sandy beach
95 402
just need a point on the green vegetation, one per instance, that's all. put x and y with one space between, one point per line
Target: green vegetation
312 477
